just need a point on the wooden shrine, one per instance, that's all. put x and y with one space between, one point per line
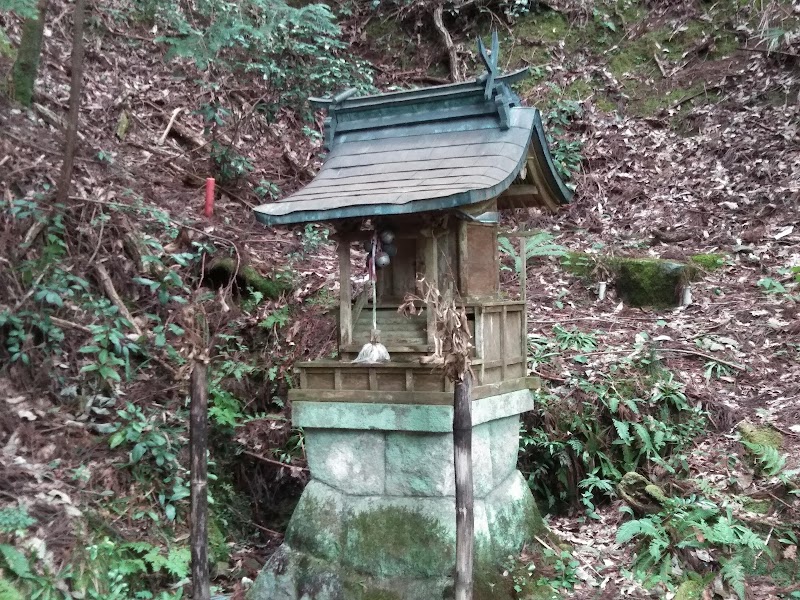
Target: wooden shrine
429 170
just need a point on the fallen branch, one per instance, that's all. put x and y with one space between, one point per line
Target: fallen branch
111 292
174 116
683 101
69 325
706 356
273 461
766 51
181 131
448 41
660 66
548 377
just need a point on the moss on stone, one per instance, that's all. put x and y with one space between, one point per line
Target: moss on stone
650 281
692 589
6 47
761 507
656 493
640 493
223 269
397 541
762 436
639 281
709 262
316 527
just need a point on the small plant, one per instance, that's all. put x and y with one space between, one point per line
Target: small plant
565 567
158 444
521 575
14 519
771 286
593 486
312 238
685 525
275 319
714 369
267 189
574 339
768 460
104 157
540 244
229 164
566 155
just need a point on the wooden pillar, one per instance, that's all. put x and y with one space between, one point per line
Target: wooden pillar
523 295
463 259
198 444
431 276
462 457
345 300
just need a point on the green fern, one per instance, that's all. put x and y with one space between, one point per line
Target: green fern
8 591
770 461
16 561
733 574
13 518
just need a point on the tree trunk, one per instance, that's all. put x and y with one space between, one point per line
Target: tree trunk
198 443
74 101
465 518
27 64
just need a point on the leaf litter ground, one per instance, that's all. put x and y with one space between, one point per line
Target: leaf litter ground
726 173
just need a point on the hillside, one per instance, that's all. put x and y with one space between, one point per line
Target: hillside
677 123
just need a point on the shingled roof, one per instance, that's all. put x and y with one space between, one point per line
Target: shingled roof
436 148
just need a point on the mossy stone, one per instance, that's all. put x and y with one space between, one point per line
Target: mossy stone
639 281
762 436
656 493
650 281
317 523
6 47
419 545
691 589
761 507
222 270
709 262
640 493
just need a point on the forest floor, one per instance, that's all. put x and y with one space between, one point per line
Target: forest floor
687 135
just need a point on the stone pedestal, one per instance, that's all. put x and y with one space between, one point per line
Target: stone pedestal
377 520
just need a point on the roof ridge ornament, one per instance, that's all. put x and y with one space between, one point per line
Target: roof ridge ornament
490 62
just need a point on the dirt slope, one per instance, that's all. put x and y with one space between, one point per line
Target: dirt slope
684 136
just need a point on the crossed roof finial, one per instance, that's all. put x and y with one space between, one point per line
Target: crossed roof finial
490 62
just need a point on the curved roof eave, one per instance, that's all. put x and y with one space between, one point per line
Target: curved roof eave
538 142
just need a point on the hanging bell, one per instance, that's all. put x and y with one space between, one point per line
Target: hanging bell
382 260
389 249
387 236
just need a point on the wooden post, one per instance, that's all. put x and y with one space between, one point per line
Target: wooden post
432 277
198 443
76 81
462 456
345 300
523 295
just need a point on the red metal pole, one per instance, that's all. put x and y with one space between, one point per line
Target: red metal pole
209 207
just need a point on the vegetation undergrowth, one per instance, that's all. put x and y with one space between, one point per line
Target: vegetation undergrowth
74 335
619 416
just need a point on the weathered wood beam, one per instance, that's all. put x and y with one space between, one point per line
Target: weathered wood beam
465 495
345 299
